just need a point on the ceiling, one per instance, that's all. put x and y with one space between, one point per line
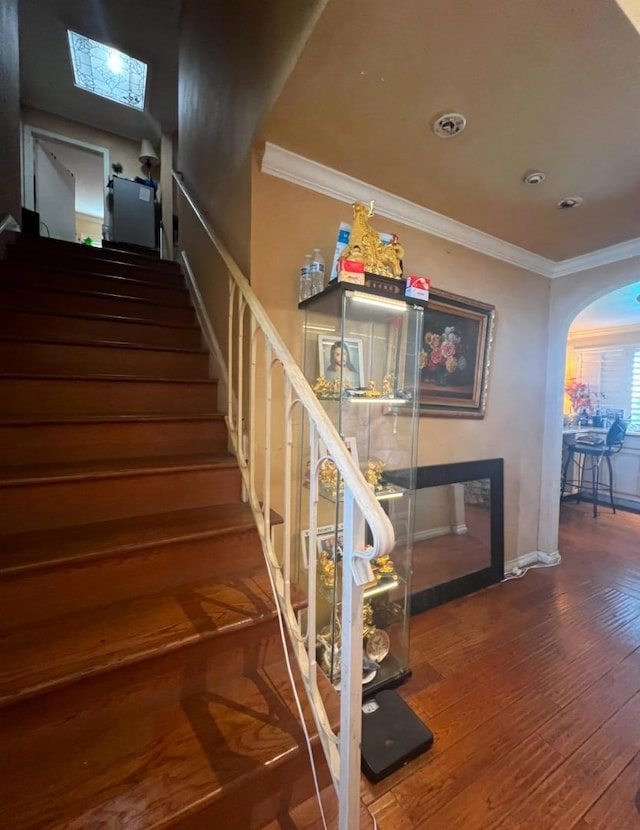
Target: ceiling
145 29
549 86
546 85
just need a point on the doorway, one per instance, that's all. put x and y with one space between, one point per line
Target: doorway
54 165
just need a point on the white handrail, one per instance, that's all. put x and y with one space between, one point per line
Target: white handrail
360 506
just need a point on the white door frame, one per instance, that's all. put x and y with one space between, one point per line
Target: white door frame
29 134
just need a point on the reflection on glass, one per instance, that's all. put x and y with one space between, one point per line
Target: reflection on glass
452 535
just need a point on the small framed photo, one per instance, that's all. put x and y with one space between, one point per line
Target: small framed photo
342 357
326 539
330 541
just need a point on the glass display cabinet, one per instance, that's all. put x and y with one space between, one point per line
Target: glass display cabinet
361 356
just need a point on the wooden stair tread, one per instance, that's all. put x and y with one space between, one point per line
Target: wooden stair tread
155 765
50 272
115 318
107 344
101 378
151 417
75 249
108 468
61 651
89 293
33 549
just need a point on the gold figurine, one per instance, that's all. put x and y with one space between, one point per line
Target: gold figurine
374 471
328 477
384 568
327 570
372 390
365 246
331 389
387 386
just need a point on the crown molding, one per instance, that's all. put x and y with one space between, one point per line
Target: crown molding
604 256
314 176
283 164
603 331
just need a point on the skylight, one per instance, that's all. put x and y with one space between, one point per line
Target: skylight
105 71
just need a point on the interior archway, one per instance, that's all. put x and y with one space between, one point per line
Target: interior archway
569 296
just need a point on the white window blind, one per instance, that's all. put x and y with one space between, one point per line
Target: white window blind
614 372
635 387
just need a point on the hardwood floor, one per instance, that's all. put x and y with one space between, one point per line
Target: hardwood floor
532 689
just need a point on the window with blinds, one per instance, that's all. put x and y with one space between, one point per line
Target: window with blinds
635 387
614 372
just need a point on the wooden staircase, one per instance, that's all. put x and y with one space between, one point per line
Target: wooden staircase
142 680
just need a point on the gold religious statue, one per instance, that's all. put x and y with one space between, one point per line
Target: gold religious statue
365 246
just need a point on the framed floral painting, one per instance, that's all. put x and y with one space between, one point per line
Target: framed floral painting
455 355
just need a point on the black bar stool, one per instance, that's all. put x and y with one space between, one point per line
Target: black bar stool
585 455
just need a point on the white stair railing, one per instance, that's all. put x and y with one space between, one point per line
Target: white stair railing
270 413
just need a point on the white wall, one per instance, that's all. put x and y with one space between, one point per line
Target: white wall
10 109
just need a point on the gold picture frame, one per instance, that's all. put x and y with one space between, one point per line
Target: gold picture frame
457 336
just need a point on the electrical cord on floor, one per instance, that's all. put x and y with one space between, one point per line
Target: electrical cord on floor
295 695
518 572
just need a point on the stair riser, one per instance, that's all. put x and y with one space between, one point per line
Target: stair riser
165 677
23 324
31 299
49 396
66 359
59 504
72 264
118 286
46 248
273 795
38 595
56 443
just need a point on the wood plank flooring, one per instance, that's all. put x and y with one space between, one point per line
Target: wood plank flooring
532 690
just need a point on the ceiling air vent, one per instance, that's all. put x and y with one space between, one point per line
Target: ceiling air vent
450 124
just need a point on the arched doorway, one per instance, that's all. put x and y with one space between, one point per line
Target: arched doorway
603 357
569 295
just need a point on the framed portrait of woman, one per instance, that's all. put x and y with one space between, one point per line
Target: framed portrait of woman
342 356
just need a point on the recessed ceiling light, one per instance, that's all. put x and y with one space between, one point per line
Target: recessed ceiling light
570 202
449 124
535 177
105 71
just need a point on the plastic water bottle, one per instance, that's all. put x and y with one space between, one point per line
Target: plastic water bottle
317 271
306 290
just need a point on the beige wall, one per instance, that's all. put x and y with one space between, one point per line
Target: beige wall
10 109
288 221
88 226
120 149
234 58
